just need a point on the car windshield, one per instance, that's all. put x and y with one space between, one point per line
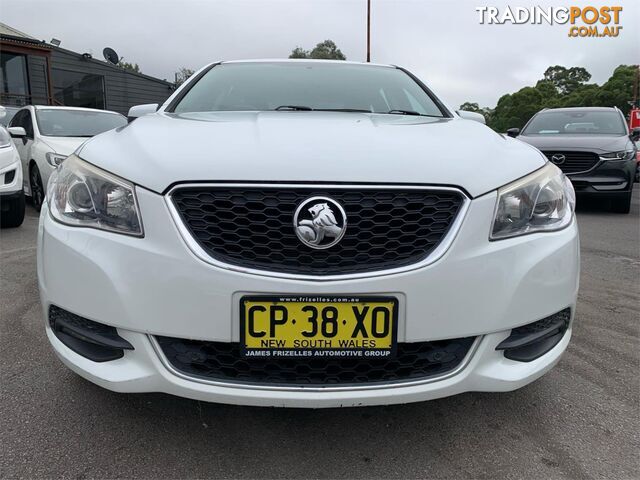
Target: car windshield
76 123
577 122
6 114
290 86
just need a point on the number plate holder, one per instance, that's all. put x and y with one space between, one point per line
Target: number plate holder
343 326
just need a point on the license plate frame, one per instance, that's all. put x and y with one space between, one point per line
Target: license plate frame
311 352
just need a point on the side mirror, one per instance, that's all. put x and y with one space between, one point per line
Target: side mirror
635 134
476 117
141 110
513 132
16 132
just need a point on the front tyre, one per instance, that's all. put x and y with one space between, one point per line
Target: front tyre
12 210
37 190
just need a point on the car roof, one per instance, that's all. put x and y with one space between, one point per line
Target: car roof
307 60
583 109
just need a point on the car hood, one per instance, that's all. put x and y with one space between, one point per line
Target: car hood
158 150
591 143
64 145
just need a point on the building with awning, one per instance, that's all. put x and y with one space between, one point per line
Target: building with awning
35 72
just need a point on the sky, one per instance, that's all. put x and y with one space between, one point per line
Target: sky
441 41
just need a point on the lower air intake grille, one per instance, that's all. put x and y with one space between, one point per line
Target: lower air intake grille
533 340
93 340
222 362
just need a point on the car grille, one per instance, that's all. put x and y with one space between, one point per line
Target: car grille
253 226
574 162
221 361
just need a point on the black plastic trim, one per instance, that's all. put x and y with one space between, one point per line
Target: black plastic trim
223 362
93 340
533 340
9 176
443 109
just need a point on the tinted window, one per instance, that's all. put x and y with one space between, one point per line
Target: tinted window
76 123
23 119
267 86
579 122
16 121
77 89
27 123
14 86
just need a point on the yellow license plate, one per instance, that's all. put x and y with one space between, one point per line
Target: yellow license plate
320 326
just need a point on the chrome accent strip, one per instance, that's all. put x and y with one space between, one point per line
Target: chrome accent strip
597 164
301 388
199 252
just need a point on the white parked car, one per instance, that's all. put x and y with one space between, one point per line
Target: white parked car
11 194
308 234
45 136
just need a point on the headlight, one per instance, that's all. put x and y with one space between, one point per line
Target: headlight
542 201
5 138
82 195
624 155
54 159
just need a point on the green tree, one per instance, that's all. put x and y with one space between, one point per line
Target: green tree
471 107
474 107
618 90
182 75
130 67
562 87
514 110
326 50
299 52
566 80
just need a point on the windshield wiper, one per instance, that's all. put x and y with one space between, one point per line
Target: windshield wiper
71 136
356 110
404 112
294 108
309 109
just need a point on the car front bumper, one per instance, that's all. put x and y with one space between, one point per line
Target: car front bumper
10 173
155 286
608 179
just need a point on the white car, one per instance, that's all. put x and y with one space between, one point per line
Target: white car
45 136
11 194
308 234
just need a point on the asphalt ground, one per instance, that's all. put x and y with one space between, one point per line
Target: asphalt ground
581 420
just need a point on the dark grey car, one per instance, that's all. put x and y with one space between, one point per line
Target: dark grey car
592 146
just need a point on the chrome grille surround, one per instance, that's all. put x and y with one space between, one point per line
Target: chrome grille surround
203 255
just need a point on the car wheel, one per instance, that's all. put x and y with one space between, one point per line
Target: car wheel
12 211
37 190
622 204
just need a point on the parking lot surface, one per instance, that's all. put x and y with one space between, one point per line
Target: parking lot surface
581 420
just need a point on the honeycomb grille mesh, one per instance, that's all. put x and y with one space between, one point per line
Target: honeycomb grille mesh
222 362
253 227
